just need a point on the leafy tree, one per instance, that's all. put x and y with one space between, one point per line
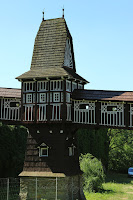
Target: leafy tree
94 141
93 173
12 150
120 149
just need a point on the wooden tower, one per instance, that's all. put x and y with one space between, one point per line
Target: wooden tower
46 105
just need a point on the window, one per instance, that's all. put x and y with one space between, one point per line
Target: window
29 86
68 86
71 150
43 150
74 86
80 86
29 98
68 97
42 97
56 97
56 85
42 86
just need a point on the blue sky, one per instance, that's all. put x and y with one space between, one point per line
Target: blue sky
102 32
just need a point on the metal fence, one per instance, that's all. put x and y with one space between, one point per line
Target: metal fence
9 188
38 189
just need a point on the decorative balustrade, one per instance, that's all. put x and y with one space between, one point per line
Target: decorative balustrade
56 112
28 112
10 109
112 114
42 112
84 112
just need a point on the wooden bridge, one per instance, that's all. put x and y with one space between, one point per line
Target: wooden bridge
89 107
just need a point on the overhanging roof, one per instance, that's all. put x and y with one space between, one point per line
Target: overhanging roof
103 95
49 52
10 93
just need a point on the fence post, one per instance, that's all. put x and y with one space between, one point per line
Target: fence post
36 189
72 188
56 189
7 188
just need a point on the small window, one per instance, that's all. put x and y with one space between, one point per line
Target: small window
56 97
56 85
74 86
68 86
14 104
80 86
42 97
68 97
43 150
71 150
42 86
29 98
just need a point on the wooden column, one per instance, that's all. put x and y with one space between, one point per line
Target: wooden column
22 108
48 110
127 115
98 113
35 112
64 108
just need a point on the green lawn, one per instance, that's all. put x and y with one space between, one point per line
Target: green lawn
116 187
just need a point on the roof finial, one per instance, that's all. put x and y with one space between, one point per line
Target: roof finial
43 16
63 12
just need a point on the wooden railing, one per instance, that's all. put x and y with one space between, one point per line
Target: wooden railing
42 112
112 114
84 112
10 109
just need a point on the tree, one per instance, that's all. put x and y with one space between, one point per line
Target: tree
92 172
120 149
12 149
95 142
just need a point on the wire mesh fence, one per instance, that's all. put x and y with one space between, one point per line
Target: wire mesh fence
9 188
38 189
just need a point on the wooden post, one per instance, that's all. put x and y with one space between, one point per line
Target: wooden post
7 188
35 110
97 114
127 115
22 108
64 108
48 110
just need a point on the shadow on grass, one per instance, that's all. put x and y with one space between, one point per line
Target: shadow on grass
102 191
118 178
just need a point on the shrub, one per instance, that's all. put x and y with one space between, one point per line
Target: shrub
92 172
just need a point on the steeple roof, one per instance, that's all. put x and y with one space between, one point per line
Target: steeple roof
49 52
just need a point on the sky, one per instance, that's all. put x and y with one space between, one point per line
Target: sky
102 32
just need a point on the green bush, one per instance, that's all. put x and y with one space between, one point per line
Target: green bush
93 172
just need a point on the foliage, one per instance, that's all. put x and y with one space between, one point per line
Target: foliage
94 141
12 149
116 186
93 172
120 150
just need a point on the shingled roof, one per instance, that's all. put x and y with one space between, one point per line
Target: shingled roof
49 51
103 95
10 93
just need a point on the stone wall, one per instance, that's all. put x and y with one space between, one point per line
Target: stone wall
46 188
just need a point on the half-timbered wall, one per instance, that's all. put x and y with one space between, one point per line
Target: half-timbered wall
112 114
10 109
84 112
29 99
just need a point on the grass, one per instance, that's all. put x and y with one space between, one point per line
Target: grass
116 187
